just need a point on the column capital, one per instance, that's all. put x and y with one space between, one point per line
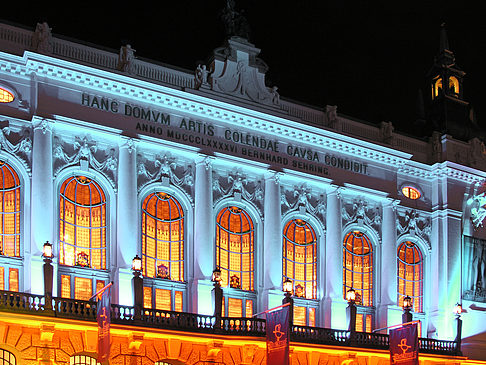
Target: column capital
390 202
273 175
42 124
205 160
129 143
335 190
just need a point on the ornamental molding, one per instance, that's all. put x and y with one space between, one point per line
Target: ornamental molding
361 212
238 186
300 199
176 101
83 152
22 148
165 170
414 224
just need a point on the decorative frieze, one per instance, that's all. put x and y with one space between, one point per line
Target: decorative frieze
237 185
300 199
413 224
361 212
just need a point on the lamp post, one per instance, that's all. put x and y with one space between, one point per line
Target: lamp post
217 296
48 273
351 310
458 311
407 308
137 287
287 287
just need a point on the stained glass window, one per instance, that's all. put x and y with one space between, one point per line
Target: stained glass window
358 267
410 274
83 360
234 248
300 258
7 358
9 211
82 223
6 96
162 237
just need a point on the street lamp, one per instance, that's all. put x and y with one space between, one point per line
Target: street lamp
458 311
137 287
407 308
351 310
287 287
48 274
217 296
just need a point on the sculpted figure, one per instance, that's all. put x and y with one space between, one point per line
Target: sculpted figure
202 74
42 38
234 22
126 58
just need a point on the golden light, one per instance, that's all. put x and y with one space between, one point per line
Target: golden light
287 286
407 302
411 192
6 96
458 309
47 250
137 264
351 295
216 275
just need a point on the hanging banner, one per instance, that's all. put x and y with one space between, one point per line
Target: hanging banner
103 315
404 346
278 336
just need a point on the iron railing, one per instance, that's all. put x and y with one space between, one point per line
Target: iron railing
190 322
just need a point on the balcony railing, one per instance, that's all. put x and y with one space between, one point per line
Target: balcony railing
190 322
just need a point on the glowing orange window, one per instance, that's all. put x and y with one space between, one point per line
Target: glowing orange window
411 192
410 274
234 248
358 267
82 223
9 211
6 96
300 258
162 237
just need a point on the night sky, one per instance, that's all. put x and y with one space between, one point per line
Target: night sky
369 60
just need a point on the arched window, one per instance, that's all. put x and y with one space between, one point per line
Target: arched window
162 251
9 228
358 267
7 358
410 274
235 257
9 211
300 267
454 85
83 360
82 235
437 87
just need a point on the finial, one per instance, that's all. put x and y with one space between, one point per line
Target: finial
444 42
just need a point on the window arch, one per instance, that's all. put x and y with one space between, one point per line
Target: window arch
83 360
10 213
410 274
235 258
358 267
163 251
234 248
7 358
82 237
300 258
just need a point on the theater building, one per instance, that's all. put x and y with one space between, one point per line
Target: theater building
108 157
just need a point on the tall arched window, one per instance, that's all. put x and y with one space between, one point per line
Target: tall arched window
9 227
162 250
300 266
358 267
235 257
410 274
82 234
83 360
7 358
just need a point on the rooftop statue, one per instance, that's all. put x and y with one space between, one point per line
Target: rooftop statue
234 22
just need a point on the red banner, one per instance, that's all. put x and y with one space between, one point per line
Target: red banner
103 314
278 337
404 346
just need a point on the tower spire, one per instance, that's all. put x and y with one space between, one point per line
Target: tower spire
444 41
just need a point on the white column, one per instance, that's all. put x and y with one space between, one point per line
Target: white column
335 313
272 242
42 208
203 237
388 313
126 243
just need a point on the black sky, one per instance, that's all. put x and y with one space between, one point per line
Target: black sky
367 57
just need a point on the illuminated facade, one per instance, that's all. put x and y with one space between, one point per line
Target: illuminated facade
109 157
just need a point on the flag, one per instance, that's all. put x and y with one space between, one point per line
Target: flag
278 336
103 315
404 347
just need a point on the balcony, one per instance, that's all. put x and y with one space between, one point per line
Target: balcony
197 323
